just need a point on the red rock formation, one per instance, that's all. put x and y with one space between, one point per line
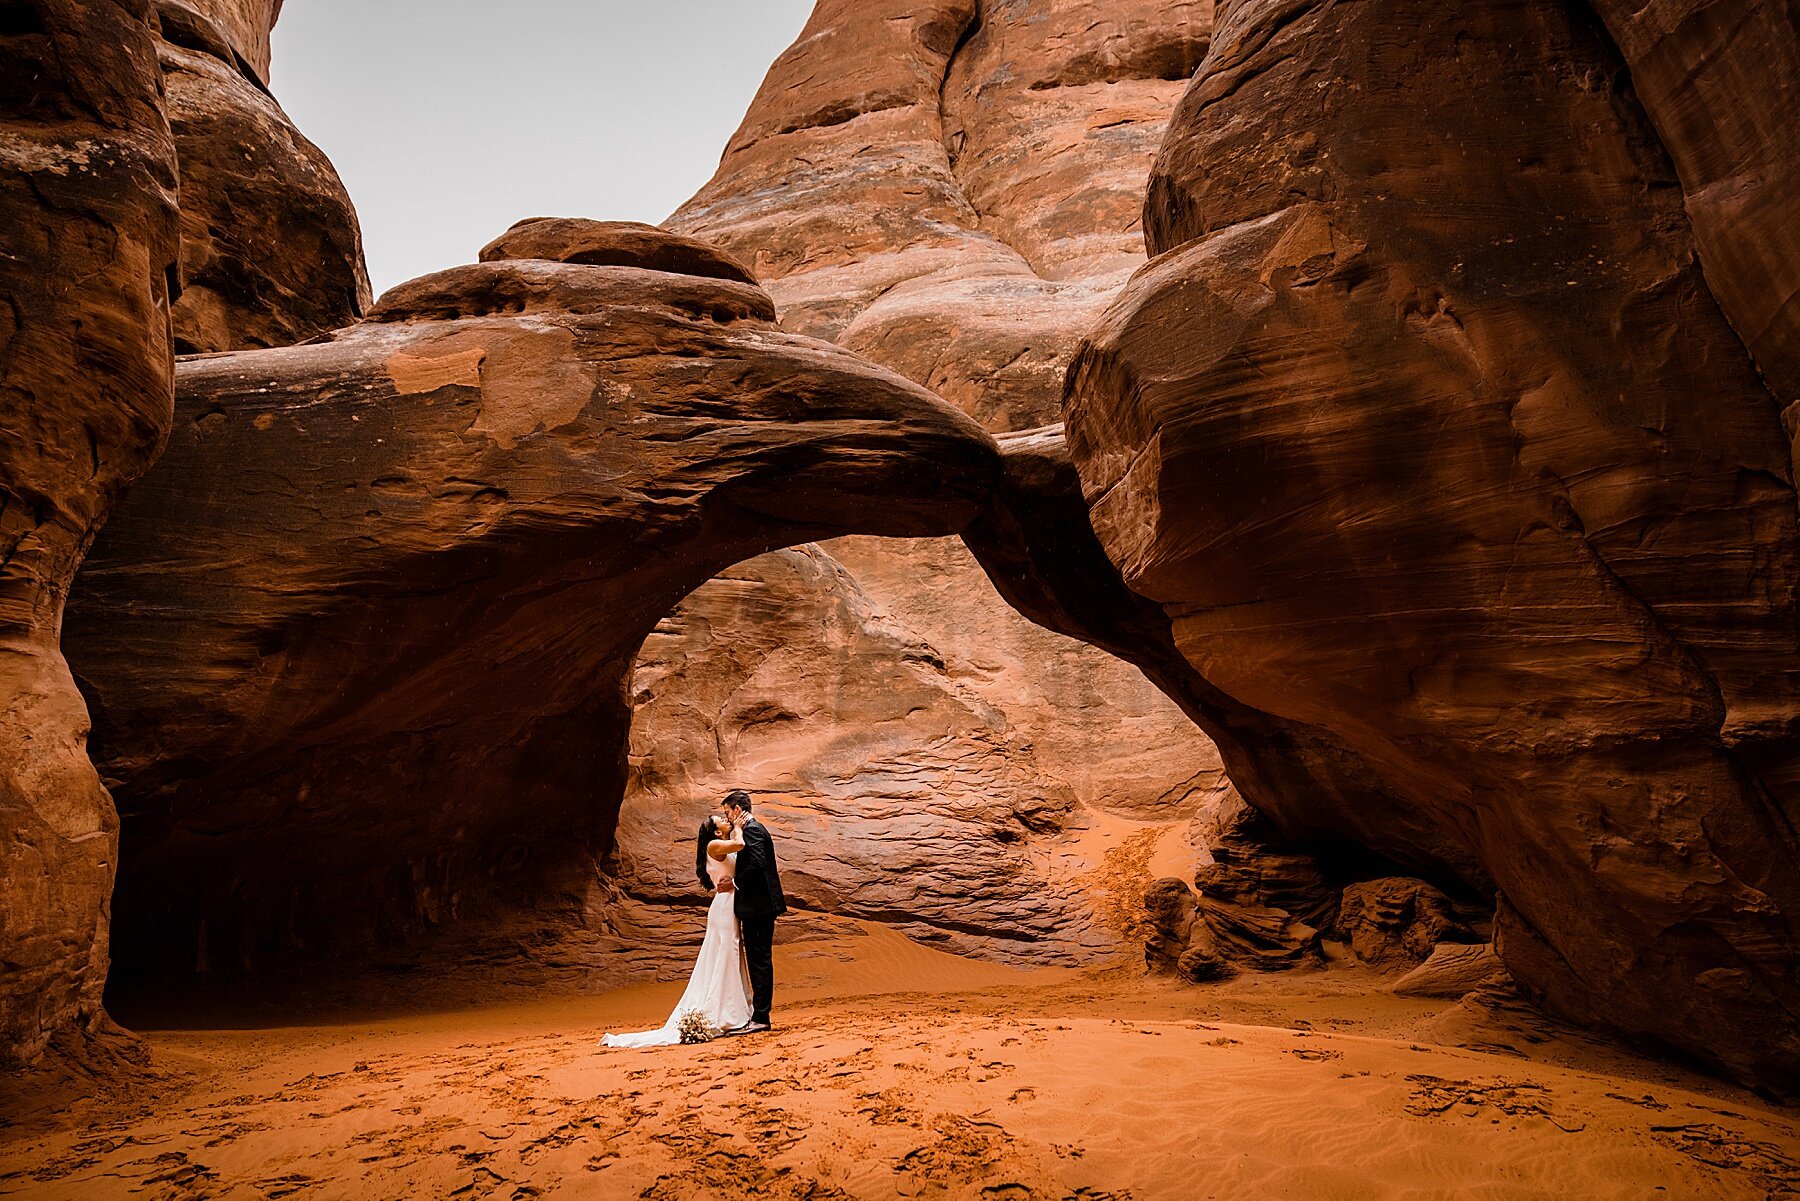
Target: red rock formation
1201 938
245 25
356 648
87 254
271 253
900 793
613 244
953 190
1720 82
1427 434
1398 919
1454 970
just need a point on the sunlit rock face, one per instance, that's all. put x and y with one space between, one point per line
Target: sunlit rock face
87 257
358 644
1427 431
271 252
952 190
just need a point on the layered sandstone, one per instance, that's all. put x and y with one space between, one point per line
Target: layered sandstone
1453 969
952 190
271 251
357 647
1427 433
1718 81
87 257
613 244
900 791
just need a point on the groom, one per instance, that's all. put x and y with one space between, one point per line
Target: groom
759 902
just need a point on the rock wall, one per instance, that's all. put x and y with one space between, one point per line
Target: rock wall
1717 81
271 251
952 190
356 648
899 791
87 259
1427 433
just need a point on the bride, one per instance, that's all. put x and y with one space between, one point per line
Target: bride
718 987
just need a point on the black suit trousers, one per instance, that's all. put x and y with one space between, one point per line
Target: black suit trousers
759 950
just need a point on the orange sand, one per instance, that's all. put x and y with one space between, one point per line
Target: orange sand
899 1071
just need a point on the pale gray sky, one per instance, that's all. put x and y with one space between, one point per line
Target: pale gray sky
451 119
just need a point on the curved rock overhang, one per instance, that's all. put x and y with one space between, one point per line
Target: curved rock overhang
356 647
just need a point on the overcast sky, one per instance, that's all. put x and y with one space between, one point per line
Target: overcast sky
451 119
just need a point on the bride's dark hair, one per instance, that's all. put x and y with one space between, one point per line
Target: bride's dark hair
700 845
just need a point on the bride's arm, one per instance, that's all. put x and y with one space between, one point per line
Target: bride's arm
718 848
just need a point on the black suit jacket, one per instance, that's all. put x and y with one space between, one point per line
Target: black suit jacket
758 881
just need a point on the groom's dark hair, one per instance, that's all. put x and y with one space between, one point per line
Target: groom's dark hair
738 797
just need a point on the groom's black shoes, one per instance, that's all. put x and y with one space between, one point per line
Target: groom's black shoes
750 1027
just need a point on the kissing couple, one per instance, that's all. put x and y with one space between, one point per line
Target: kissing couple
734 857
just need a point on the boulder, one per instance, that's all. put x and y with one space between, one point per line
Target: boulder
1201 938
613 244
1427 433
1249 864
1396 918
87 262
271 251
1169 910
358 647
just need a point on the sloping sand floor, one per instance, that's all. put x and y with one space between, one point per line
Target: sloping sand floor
898 1071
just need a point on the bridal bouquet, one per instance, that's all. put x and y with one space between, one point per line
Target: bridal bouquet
695 1028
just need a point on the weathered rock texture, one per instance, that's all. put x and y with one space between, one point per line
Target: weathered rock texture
953 190
613 244
972 170
900 791
1398 920
1427 433
1202 938
1720 82
87 254
1454 969
271 252
357 646
244 24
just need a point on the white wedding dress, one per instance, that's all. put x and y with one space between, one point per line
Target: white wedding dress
718 987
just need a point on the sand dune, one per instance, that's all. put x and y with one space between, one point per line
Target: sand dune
899 1071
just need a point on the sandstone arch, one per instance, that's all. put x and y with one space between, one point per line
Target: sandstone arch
356 647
